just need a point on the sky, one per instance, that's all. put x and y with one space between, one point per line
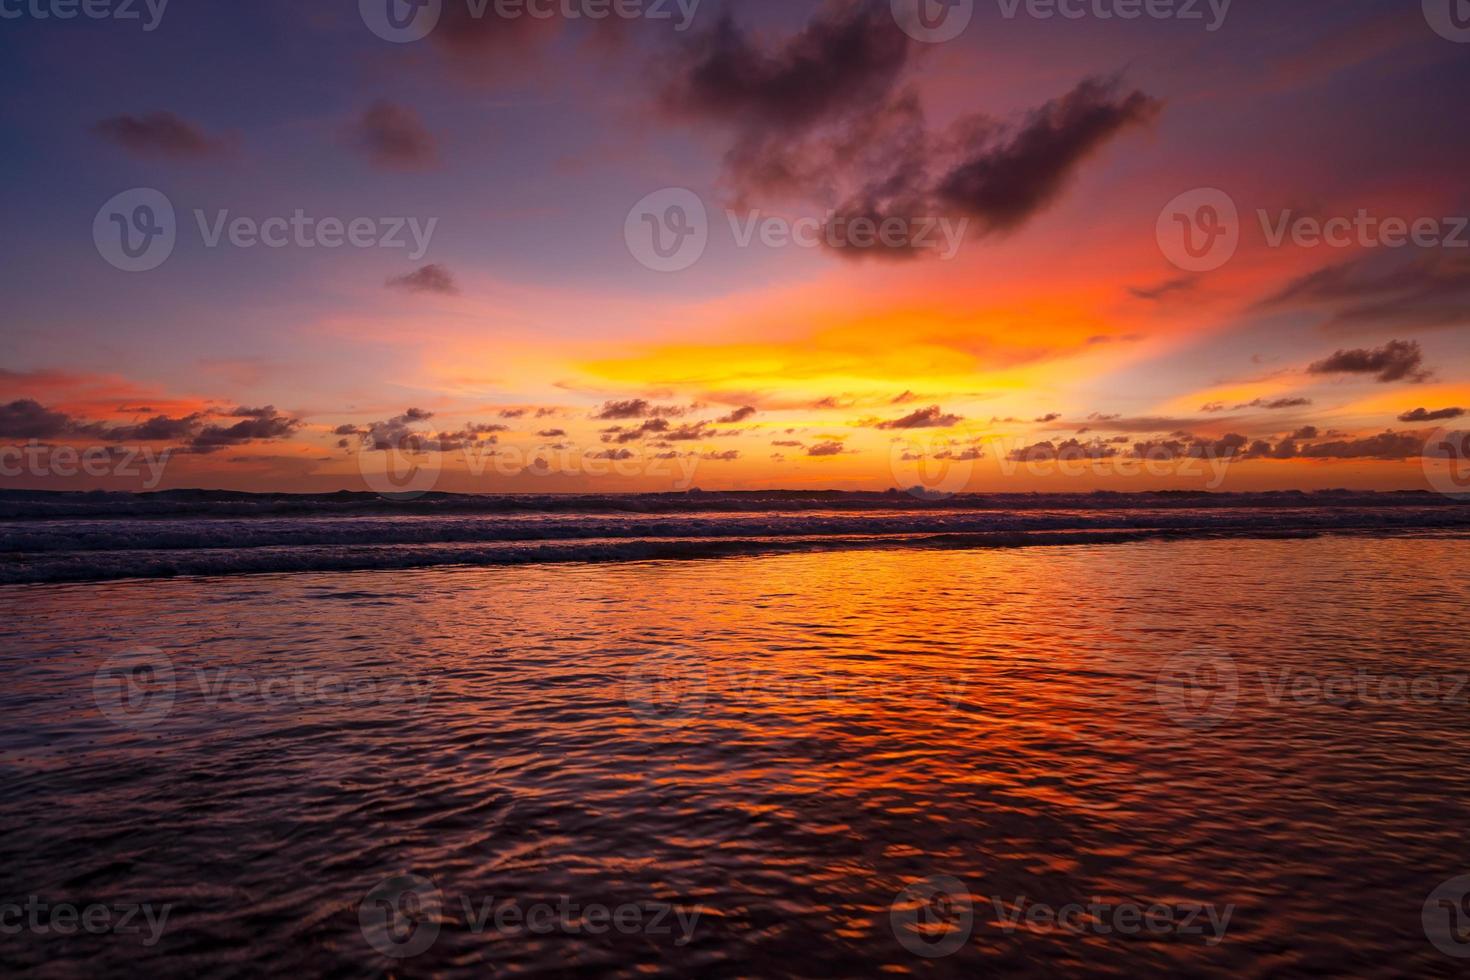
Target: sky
1005 245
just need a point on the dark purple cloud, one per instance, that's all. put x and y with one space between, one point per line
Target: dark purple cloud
159 134
490 45
396 433
925 418
157 429
1168 286
1429 289
1425 415
432 278
394 138
691 432
824 116
846 60
262 425
619 434
1275 404
636 408
1069 451
1388 446
995 177
1009 178
1398 360
1144 424
1185 446
28 419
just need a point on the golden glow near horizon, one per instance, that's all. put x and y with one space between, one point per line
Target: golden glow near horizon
1072 320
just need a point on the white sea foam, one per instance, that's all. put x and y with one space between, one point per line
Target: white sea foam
90 537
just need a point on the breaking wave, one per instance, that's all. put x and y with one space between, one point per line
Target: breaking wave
93 537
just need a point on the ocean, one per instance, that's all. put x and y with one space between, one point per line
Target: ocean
56 537
734 735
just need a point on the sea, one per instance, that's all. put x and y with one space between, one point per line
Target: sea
734 734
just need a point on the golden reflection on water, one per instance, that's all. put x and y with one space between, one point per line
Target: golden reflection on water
784 743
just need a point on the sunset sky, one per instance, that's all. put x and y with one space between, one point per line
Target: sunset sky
524 326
